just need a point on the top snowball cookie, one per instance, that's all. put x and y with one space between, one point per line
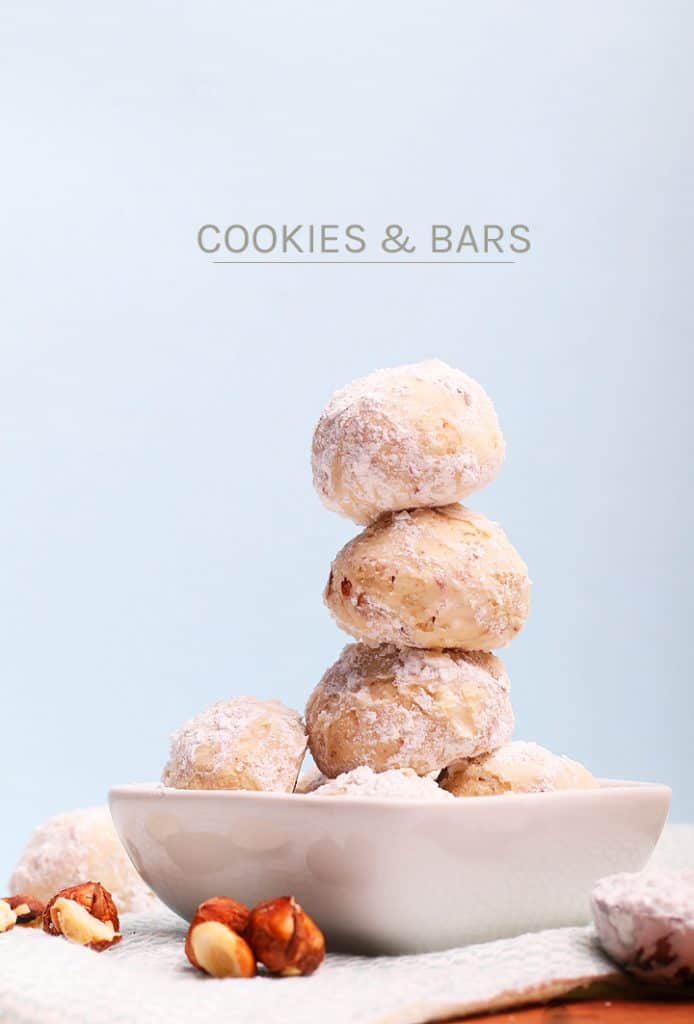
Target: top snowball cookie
413 436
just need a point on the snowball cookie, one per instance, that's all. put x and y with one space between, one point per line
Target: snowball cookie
646 923
394 784
434 577
243 743
80 846
517 767
309 781
389 707
408 437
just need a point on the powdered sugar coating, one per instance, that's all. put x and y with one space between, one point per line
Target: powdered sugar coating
80 846
309 781
243 743
394 784
406 437
516 767
646 923
432 578
390 707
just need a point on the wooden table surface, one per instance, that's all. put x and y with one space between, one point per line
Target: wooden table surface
595 1011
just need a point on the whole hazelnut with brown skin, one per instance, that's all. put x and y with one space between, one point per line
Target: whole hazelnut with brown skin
28 909
213 942
284 938
222 908
85 914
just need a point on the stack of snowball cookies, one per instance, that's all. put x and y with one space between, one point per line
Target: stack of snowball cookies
418 707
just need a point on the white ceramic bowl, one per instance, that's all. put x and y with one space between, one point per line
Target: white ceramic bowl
393 876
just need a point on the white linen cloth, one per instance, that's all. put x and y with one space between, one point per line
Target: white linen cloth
147 980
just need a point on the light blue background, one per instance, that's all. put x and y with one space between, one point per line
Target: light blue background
162 546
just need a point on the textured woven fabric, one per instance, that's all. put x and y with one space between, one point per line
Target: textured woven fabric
147 980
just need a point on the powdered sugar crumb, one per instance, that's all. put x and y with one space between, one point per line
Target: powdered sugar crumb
396 783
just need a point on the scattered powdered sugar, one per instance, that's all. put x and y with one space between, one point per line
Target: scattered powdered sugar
243 743
646 922
80 846
396 783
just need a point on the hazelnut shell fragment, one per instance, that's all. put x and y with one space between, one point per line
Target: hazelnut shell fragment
284 938
8 918
28 909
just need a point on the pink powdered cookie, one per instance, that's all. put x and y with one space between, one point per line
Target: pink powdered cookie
646 923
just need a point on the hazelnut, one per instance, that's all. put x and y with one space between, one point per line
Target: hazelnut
28 909
85 914
8 917
213 943
229 912
284 938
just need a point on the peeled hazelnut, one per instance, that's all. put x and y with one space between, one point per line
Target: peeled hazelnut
85 914
28 909
284 938
8 917
213 944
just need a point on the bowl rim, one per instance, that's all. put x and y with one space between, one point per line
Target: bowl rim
608 789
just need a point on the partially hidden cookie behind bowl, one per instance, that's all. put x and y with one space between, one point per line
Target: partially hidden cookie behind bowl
73 847
397 707
406 437
430 578
242 743
516 767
